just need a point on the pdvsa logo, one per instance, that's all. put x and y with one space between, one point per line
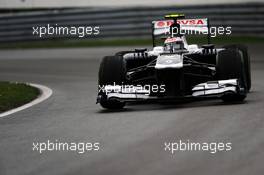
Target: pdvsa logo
164 23
167 23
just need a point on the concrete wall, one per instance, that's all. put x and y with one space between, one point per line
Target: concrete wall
115 3
245 19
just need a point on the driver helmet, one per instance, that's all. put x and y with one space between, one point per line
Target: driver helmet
173 43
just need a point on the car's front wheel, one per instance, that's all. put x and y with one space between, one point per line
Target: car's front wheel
246 60
230 65
111 72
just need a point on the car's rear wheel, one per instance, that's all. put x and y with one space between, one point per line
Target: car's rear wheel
246 60
111 72
230 66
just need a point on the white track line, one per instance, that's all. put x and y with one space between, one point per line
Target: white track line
45 93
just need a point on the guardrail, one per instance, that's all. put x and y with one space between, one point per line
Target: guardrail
245 19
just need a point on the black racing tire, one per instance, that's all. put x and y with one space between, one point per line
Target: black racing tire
230 66
112 71
246 59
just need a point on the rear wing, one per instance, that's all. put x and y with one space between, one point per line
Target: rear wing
194 26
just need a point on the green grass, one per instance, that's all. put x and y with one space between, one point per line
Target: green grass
123 42
13 95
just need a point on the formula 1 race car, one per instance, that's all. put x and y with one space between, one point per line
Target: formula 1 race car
174 69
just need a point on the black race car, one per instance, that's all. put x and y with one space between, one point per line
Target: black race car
174 70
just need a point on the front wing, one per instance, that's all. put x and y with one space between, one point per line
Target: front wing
208 89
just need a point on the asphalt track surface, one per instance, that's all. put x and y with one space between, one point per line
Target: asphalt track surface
132 140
